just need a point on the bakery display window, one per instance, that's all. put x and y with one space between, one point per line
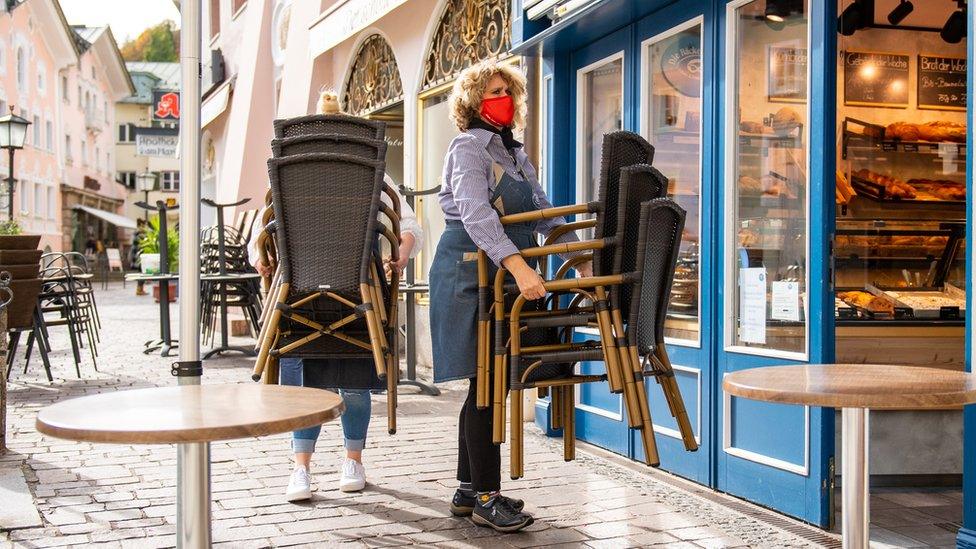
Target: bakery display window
600 89
766 186
672 96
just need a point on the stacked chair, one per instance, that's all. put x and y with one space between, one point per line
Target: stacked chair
223 251
529 345
324 239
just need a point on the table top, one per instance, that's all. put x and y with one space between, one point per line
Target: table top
79 276
872 386
151 277
189 413
229 277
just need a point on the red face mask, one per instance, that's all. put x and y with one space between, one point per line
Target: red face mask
499 111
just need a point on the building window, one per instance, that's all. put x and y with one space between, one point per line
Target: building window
97 160
171 181
127 178
39 202
37 131
237 6
105 111
49 135
41 78
600 108
214 18
80 103
65 93
26 116
67 148
84 153
93 71
25 196
127 133
21 70
3 107
51 205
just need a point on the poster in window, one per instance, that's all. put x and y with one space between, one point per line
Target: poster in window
873 79
681 63
941 83
786 72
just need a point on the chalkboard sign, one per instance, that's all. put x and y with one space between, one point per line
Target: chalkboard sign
876 79
786 73
941 83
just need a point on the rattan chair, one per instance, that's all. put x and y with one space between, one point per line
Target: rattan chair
654 257
341 124
332 300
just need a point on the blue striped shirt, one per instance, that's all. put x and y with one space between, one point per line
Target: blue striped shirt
469 180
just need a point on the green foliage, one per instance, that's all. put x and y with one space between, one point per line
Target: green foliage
9 228
158 43
149 243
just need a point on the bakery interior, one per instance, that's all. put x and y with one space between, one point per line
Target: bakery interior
899 248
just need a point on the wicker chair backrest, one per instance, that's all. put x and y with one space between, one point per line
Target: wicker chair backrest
325 206
373 149
342 124
620 149
638 184
661 224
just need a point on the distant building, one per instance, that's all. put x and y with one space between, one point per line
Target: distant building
149 112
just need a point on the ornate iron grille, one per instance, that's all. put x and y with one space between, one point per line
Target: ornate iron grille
374 81
469 31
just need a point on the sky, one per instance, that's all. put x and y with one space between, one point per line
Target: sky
127 18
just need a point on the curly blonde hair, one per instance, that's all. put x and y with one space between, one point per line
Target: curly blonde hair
469 88
328 102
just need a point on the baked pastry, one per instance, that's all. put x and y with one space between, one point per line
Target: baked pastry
868 301
774 186
748 238
903 131
786 120
893 188
943 189
942 131
749 185
844 191
747 126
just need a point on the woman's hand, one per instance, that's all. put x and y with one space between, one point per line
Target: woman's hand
263 269
407 242
585 270
529 282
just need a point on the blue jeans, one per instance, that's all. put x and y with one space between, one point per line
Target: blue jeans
355 420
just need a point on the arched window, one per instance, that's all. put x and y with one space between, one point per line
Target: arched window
374 79
469 31
21 70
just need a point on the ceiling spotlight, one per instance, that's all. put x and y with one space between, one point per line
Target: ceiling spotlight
856 16
778 10
900 12
955 27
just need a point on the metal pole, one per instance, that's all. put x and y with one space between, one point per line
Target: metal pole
147 202
10 186
855 507
192 460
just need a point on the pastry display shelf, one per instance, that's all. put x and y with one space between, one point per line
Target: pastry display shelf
871 137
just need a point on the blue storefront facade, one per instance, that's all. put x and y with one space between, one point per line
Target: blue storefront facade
741 100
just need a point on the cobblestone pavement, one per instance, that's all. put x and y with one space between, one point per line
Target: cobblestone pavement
124 496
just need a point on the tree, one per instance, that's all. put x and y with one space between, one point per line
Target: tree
157 43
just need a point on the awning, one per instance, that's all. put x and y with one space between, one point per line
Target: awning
216 103
113 218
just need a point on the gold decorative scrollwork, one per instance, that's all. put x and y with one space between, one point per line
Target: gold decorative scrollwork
469 31
374 81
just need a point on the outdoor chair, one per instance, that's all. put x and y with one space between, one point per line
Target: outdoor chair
332 300
341 124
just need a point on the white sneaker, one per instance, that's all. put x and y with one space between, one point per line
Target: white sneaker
353 477
300 485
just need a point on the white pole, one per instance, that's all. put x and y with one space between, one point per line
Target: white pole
192 460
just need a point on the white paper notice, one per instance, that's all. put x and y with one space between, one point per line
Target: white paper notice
786 300
752 305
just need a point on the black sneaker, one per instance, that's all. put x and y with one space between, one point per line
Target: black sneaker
497 513
462 505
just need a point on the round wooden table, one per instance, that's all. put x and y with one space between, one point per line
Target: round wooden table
190 415
855 389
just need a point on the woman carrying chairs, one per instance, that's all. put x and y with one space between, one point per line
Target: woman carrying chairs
487 174
354 375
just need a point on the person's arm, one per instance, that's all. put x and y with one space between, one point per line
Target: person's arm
252 248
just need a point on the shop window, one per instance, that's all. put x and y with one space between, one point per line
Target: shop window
600 95
766 187
170 181
438 131
672 107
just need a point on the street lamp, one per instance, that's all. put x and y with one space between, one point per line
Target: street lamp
146 181
13 132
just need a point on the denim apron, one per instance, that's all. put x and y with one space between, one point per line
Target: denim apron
454 282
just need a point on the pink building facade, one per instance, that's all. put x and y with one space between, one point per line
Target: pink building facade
65 81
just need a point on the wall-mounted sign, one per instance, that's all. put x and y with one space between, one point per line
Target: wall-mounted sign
876 79
681 63
166 105
941 83
786 73
158 142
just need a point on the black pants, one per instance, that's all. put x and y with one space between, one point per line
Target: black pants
479 459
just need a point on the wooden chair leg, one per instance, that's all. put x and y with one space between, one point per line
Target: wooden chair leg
516 458
673 395
556 408
569 428
375 331
270 333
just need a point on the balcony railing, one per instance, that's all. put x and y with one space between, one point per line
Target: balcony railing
95 121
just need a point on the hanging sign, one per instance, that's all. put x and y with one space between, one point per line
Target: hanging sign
166 106
941 83
157 142
681 63
786 74
876 79
752 305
